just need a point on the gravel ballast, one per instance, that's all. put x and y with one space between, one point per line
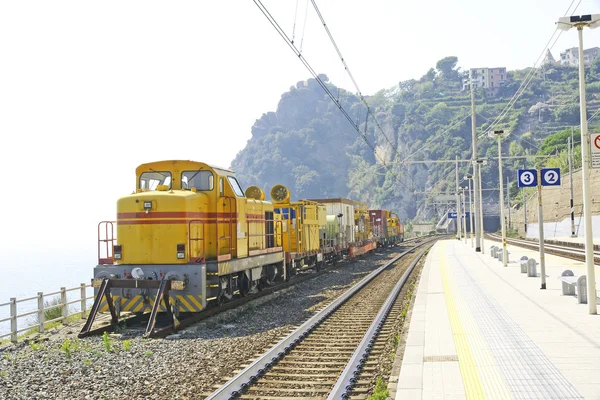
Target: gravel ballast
187 365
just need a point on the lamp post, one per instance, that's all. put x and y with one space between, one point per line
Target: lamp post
470 178
499 134
579 22
464 204
477 178
477 195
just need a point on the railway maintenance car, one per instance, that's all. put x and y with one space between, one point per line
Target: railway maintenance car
303 223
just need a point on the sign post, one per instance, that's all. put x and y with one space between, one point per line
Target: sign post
545 177
535 178
541 231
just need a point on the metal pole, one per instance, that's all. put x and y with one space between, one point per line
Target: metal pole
464 202
64 307
508 200
571 183
482 226
478 220
503 224
471 213
541 229
83 301
587 194
458 216
13 319
41 314
524 202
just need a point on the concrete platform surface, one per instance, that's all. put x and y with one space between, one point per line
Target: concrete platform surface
482 331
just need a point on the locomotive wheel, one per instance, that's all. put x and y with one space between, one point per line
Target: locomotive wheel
243 284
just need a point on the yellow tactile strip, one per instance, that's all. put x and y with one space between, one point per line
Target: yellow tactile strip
480 375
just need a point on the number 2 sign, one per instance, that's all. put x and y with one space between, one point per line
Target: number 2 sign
550 176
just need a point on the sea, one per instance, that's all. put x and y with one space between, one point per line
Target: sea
23 278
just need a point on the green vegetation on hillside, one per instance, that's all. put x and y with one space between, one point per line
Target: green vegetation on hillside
309 146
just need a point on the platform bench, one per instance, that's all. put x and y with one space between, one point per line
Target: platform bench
574 285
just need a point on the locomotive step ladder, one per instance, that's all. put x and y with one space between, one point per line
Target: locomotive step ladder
162 295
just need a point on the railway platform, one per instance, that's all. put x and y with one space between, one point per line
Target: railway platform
482 331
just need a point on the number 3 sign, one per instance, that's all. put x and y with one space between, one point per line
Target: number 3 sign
527 177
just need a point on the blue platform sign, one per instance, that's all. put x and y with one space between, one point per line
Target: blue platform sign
550 176
454 215
527 177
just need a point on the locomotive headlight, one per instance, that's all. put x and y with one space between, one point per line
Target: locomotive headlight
137 273
118 252
180 251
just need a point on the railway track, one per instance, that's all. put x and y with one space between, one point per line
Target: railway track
574 251
336 352
137 322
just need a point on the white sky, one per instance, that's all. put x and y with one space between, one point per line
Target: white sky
89 90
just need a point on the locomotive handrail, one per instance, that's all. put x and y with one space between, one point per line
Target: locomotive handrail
230 220
191 239
62 302
265 235
109 237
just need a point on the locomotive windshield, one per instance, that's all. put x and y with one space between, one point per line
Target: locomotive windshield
150 180
200 180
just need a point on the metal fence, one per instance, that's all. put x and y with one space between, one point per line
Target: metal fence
62 302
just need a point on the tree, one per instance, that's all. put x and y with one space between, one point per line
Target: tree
447 67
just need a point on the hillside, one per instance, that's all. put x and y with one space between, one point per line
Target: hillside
309 146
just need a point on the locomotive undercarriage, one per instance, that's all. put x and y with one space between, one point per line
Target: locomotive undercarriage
131 288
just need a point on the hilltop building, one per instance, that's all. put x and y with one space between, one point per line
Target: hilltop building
570 57
487 78
549 60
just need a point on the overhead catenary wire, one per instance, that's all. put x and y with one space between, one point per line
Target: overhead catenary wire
529 77
360 95
295 18
298 53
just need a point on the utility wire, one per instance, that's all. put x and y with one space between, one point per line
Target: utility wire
360 95
529 77
295 18
298 53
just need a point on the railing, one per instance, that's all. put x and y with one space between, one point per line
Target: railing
41 322
107 241
230 221
193 239
268 236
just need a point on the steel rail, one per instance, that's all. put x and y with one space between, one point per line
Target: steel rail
235 386
347 380
572 252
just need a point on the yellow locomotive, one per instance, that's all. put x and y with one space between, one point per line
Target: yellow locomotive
191 222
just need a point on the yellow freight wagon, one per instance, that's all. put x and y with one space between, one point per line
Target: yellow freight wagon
303 222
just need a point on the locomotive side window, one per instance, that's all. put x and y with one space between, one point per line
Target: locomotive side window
235 186
200 180
150 180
